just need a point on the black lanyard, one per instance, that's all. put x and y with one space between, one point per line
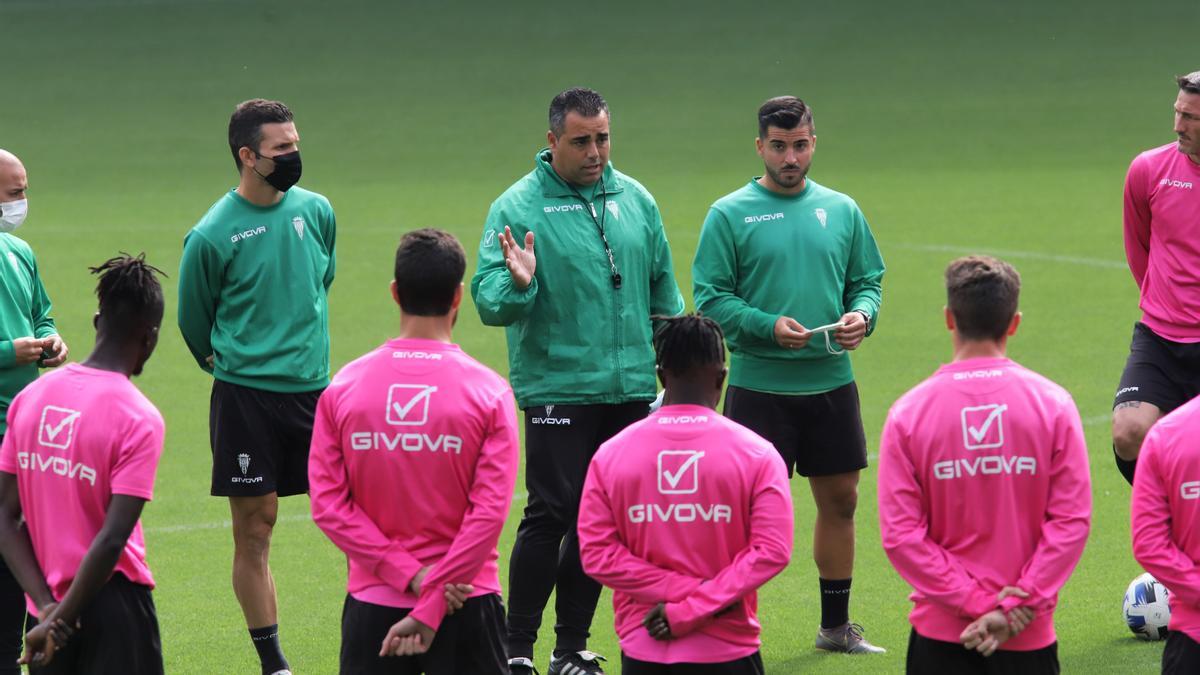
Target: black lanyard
599 222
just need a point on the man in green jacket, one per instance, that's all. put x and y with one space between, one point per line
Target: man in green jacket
28 339
790 270
577 315
253 310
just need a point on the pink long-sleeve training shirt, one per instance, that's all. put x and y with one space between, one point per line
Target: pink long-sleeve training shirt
414 456
983 483
1162 207
688 508
1165 512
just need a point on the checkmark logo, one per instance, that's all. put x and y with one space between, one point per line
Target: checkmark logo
408 404
983 426
57 427
679 471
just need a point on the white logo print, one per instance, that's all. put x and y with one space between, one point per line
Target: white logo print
408 404
762 218
983 426
241 236
57 428
244 463
820 213
549 410
673 468
613 208
298 225
1175 183
489 238
12 258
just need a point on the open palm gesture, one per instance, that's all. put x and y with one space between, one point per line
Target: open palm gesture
520 261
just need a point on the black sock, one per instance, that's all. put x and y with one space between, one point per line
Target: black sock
266 641
835 602
1125 466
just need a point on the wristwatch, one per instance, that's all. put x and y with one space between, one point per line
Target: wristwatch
866 317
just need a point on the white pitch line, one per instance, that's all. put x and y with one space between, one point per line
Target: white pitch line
225 524
1009 253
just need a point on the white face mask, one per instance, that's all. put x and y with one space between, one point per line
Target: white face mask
12 214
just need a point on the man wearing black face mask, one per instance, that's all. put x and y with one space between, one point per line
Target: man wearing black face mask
253 287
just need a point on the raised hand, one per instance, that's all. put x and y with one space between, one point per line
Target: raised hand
521 262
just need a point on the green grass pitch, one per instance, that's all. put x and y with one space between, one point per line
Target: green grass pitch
958 127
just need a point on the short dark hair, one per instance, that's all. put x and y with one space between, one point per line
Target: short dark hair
128 290
430 265
582 100
245 125
1189 83
784 112
687 342
982 293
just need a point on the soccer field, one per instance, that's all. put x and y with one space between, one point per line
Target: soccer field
958 127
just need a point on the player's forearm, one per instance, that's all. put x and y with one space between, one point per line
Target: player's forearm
94 571
498 300
18 554
361 540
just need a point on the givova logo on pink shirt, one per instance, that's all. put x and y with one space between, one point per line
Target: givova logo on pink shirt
983 426
408 404
57 427
679 471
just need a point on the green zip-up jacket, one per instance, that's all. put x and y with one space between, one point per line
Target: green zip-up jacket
24 312
572 337
253 286
809 256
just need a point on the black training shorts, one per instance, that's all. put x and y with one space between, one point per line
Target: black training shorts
259 440
750 665
469 641
1158 371
118 635
817 434
935 657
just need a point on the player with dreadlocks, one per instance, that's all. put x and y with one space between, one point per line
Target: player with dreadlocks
685 515
78 462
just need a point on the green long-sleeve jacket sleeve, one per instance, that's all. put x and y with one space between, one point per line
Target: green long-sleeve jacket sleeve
24 312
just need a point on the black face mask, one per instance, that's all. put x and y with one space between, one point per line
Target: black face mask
287 171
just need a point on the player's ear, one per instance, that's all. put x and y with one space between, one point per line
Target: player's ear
721 379
247 156
458 296
949 318
96 321
395 291
1012 325
659 371
551 140
758 145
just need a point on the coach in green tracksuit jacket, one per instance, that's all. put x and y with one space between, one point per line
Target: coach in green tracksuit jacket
577 317
790 270
28 339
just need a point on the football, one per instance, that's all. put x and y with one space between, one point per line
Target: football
1146 610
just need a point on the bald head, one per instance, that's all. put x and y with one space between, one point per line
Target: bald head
13 181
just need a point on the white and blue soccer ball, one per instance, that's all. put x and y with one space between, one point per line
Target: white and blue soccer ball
1146 610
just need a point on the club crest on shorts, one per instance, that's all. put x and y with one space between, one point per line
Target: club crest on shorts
298 225
549 410
244 463
820 214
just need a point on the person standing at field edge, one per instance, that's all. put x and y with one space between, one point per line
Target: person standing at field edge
253 310
577 318
1162 207
28 340
778 258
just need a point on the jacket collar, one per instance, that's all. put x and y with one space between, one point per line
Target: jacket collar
555 186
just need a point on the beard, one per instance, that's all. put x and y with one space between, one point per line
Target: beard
789 181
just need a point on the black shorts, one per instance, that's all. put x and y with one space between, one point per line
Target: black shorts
1181 656
259 440
1158 371
469 642
934 657
118 635
817 434
750 665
